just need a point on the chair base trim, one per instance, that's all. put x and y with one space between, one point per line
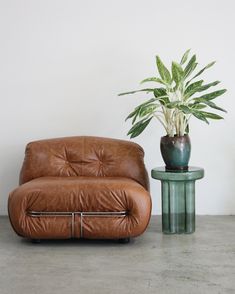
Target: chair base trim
82 214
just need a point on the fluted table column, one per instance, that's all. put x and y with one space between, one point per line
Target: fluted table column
178 198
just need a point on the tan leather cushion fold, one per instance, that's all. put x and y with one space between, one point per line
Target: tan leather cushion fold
84 156
80 194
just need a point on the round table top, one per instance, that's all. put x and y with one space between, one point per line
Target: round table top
193 173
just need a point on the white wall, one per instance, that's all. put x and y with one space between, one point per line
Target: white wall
63 62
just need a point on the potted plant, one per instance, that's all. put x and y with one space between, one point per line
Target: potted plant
180 96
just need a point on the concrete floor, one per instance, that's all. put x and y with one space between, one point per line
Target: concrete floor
200 263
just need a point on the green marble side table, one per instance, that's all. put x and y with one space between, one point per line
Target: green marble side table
178 198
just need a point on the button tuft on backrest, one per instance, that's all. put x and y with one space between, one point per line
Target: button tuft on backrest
84 156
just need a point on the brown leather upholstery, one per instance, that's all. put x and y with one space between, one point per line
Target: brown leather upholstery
81 187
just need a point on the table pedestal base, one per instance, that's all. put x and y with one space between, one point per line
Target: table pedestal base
178 207
178 198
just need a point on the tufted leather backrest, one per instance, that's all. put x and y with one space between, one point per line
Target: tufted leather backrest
84 156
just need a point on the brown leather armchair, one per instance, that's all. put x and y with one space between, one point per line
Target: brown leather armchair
78 187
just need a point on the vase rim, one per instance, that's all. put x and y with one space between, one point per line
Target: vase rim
176 136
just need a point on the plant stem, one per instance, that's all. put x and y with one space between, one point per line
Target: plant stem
162 123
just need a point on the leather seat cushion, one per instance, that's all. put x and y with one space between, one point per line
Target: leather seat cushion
79 194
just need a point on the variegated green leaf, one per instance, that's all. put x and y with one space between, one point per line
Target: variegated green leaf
136 91
185 109
164 100
212 105
136 111
211 115
153 79
172 105
200 116
163 71
210 96
207 86
148 109
193 88
139 127
185 57
202 70
197 106
190 66
133 113
158 92
177 72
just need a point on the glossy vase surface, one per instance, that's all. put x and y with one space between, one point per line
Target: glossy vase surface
176 152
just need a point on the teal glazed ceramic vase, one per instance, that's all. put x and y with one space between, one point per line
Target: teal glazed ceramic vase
176 152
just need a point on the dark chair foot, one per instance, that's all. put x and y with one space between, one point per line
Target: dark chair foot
36 241
124 240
